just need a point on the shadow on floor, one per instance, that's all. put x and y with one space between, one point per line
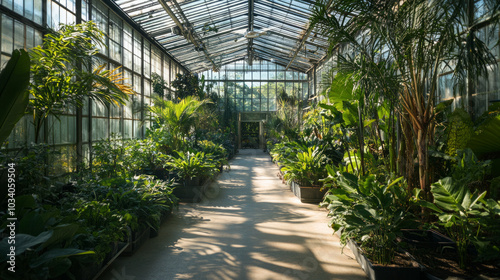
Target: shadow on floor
250 228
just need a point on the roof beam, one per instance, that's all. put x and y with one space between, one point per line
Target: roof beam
189 34
304 38
250 27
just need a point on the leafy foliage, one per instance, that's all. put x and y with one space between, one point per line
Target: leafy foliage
484 140
307 168
216 152
462 210
47 244
14 81
459 131
178 118
61 75
109 160
368 211
159 86
188 85
457 209
190 165
417 35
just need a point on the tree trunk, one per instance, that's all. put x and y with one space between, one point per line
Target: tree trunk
422 161
361 140
406 153
392 139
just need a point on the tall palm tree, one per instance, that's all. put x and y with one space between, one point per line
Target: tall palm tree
419 35
178 117
61 75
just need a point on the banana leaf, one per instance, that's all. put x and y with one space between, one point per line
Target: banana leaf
486 144
14 97
455 197
485 141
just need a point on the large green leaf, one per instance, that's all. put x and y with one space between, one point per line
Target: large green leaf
455 196
449 196
62 234
23 242
32 223
341 89
58 253
58 267
14 97
429 205
485 140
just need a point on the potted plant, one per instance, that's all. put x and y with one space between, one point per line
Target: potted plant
146 157
192 168
303 172
46 244
217 153
371 214
157 201
464 212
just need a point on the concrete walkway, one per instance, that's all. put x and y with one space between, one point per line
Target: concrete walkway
250 227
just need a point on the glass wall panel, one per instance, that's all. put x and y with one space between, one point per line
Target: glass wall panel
18 6
7 34
166 69
7 3
146 62
18 35
115 127
123 47
99 129
137 130
252 89
85 131
100 17
127 129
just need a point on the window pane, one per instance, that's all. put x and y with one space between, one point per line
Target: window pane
7 34
7 3
28 9
30 37
38 11
18 35
55 20
127 59
115 127
18 6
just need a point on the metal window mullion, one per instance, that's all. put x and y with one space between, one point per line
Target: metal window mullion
143 115
122 59
108 67
79 110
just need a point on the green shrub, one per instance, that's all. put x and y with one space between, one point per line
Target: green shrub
216 152
368 211
189 165
307 168
459 131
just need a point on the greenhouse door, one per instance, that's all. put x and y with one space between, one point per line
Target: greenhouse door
250 135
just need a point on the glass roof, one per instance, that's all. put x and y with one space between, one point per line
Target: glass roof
207 34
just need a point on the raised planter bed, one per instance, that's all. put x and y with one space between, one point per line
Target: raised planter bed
89 272
437 255
382 272
92 271
136 240
153 232
191 190
428 239
312 194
